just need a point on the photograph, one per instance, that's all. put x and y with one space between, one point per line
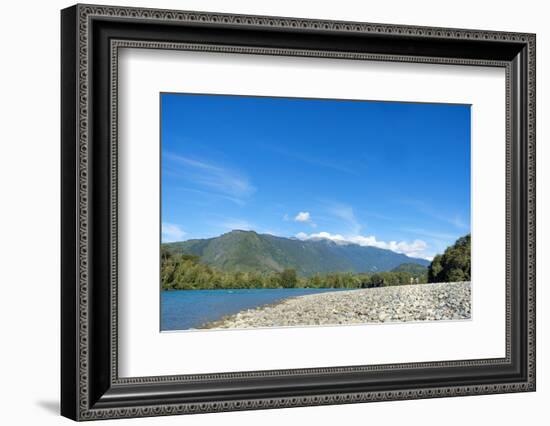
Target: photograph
280 212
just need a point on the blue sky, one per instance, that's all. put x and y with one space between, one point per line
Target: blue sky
387 174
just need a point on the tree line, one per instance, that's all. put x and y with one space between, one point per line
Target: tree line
186 272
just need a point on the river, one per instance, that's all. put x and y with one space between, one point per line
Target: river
188 309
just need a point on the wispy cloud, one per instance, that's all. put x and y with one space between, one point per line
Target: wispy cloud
171 232
327 164
416 248
424 208
346 214
215 178
210 195
457 222
439 236
238 224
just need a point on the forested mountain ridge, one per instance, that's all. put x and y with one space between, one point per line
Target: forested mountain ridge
249 251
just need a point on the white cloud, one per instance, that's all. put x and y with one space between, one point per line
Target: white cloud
303 217
171 232
415 248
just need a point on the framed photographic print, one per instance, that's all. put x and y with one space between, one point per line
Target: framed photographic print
263 212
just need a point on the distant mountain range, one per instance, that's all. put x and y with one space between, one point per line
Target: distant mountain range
249 251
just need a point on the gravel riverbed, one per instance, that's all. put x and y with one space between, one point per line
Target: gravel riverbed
420 302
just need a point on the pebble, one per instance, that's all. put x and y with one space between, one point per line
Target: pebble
419 302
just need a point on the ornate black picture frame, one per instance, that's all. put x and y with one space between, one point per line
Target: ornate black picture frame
91 36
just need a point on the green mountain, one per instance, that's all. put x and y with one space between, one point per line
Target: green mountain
250 251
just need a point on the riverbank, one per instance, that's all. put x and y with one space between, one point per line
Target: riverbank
421 302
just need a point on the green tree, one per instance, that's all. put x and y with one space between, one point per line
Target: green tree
376 280
435 269
454 264
314 281
288 278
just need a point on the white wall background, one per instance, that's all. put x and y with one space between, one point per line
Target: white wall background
29 212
